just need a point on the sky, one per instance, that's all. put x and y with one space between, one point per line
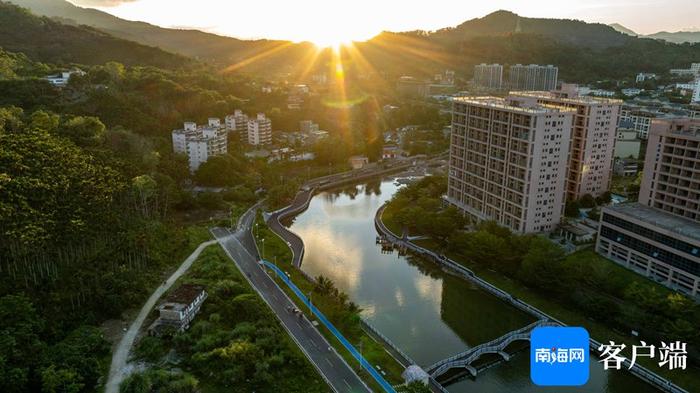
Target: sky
330 21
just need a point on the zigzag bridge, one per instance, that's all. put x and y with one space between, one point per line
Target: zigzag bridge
465 359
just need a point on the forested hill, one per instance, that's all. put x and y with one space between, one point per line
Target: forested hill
269 55
576 32
46 40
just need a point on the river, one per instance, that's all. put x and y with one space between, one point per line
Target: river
428 314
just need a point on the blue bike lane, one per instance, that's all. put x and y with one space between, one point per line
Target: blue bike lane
355 353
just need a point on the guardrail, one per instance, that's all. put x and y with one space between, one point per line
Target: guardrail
407 359
461 271
316 312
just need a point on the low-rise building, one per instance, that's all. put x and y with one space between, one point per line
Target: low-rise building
61 80
627 143
643 76
179 309
200 143
626 167
654 243
358 162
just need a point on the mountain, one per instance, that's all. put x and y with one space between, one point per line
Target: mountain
500 23
269 55
678 37
623 29
46 40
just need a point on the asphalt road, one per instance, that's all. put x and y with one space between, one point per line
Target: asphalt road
241 248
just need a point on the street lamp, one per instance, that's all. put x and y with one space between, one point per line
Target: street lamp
311 310
360 345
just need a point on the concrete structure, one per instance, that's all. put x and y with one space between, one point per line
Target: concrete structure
694 70
639 118
631 92
237 123
412 87
656 244
508 161
307 126
61 80
642 76
532 77
358 162
626 167
179 309
672 179
200 143
627 145
260 130
660 236
488 76
592 138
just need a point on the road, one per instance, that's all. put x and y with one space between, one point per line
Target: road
117 370
240 247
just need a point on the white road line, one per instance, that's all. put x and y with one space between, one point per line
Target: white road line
329 363
346 382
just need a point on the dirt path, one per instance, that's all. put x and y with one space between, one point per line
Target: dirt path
121 353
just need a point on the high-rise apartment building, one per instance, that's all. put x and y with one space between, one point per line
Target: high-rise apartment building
237 123
200 143
659 237
508 161
488 76
260 130
592 139
532 77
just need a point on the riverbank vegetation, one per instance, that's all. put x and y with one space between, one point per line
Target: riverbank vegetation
234 344
335 305
582 288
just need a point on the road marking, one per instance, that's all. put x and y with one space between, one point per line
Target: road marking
330 364
346 382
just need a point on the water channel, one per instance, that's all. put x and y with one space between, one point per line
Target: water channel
428 314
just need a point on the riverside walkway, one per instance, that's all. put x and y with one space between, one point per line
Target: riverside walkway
452 267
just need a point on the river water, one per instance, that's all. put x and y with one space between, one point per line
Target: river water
428 314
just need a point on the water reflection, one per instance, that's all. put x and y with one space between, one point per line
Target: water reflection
427 313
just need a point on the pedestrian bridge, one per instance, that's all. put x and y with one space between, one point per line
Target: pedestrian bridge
465 359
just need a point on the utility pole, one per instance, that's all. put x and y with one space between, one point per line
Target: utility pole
263 248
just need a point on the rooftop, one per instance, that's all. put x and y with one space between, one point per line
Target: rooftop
571 100
658 218
185 294
505 104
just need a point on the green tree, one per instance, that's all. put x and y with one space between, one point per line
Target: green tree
542 265
83 130
571 209
62 380
587 201
21 348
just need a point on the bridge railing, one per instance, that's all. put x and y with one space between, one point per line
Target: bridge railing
491 346
637 370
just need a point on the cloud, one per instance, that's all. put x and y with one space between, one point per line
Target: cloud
101 3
